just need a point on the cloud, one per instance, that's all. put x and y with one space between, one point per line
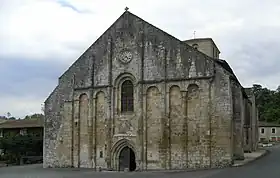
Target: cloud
69 5
42 38
26 83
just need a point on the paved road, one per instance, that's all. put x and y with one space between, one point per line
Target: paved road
267 166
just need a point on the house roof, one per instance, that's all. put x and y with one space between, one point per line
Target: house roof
2 120
267 124
25 123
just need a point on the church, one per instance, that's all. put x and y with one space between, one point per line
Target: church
140 99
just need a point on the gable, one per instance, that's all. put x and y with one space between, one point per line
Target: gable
128 26
92 67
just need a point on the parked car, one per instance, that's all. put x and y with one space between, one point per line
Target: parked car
266 144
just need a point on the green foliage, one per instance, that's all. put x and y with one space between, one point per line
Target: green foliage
7 118
15 147
268 103
34 116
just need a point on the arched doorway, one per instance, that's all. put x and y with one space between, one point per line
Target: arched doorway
127 159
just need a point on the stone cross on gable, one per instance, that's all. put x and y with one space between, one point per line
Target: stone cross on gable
126 8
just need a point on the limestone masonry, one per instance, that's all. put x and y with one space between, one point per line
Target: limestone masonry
140 99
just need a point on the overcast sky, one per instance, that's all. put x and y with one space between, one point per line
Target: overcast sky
40 39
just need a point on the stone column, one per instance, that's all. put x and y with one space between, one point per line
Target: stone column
254 123
169 129
90 129
76 134
94 132
144 128
185 114
239 127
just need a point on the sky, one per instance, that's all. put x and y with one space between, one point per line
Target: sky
40 39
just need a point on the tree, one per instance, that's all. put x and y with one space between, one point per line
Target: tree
268 102
16 146
8 114
34 116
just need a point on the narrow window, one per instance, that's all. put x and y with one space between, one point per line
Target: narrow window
127 96
273 130
101 154
262 130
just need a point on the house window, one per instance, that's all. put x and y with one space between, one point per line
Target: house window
273 130
1 133
262 130
127 96
23 132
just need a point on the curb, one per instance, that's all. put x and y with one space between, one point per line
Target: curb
253 160
186 170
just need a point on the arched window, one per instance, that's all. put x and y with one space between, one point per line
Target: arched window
127 96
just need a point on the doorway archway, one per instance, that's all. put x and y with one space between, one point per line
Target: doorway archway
127 159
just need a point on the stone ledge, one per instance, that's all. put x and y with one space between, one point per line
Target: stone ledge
142 171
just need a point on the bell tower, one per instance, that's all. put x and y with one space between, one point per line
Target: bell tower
205 45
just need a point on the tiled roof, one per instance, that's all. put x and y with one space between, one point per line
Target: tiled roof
2 120
267 124
24 123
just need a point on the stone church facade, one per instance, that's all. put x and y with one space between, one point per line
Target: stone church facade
139 98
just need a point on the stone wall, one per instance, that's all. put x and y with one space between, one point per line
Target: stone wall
156 126
238 119
101 130
206 46
251 122
254 120
182 104
221 120
248 137
178 128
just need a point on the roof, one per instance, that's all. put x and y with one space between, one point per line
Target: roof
2 120
226 66
267 124
24 123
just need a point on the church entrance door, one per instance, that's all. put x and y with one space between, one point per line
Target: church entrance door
127 159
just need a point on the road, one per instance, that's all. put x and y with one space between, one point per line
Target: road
267 166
